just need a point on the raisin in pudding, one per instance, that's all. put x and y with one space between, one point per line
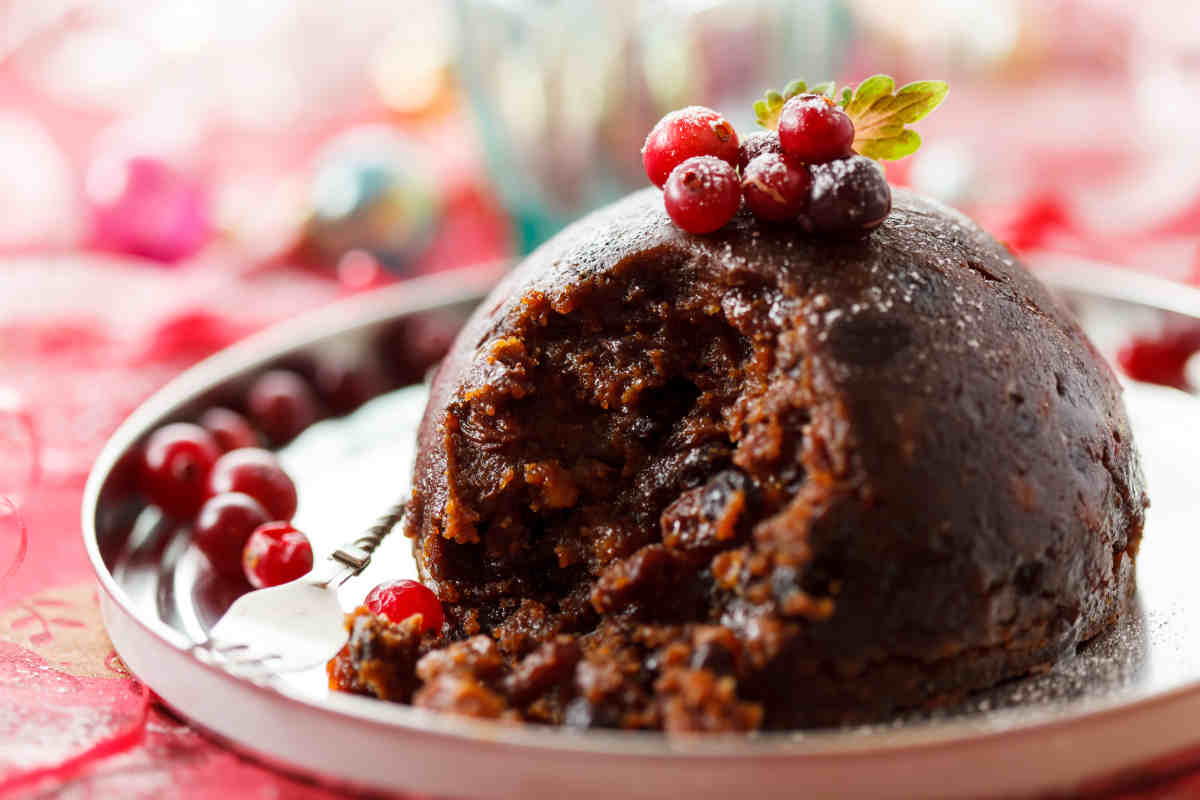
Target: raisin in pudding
757 479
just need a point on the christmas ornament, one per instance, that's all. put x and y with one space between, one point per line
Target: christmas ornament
144 206
371 192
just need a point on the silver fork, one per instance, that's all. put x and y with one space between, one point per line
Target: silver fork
297 625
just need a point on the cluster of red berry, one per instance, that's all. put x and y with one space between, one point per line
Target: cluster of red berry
239 498
237 495
805 173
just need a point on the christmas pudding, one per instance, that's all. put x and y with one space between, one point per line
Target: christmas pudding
773 475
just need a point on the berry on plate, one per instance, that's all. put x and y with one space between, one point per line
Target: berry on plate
399 600
686 133
258 473
175 467
230 429
276 553
222 527
282 405
344 386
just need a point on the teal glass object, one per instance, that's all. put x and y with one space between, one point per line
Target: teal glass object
565 91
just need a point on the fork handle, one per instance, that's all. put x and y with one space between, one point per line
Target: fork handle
353 557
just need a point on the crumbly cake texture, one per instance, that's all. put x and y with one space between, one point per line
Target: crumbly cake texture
758 480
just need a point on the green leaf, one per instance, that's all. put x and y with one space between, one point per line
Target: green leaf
870 90
923 97
890 148
880 114
794 88
879 111
766 110
828 88
761 112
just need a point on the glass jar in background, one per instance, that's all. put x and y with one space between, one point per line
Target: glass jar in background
565 91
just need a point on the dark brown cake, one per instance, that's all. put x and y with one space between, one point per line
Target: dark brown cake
756 479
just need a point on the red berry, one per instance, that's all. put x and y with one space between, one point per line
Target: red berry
258 473
282 404
399 600
230 429
344 386
849 196
175 467
776 187
756 144
702 194
682 134
1160 359
222 528
812 128
276 553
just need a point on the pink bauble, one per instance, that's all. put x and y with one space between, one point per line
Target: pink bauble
144 206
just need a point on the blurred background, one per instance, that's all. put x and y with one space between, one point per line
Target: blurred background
301 129
177 174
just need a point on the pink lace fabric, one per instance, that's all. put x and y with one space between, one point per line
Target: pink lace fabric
52 722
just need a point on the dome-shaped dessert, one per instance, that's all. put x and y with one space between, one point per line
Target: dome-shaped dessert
757 479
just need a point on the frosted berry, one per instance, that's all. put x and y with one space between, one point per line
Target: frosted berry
812 128
229 429
756 144
175 467
222 528
683 134
776 187
849 196
276 553
702 194
399 600
258 473
282 404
